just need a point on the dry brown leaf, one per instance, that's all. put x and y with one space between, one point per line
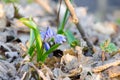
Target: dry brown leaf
114 71
47 71
69 51
108 64
40 73
58 73
83 60
75 71
52 62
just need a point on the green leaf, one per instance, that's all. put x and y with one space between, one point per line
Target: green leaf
54 47
62 24
71 39
29 23
102 46
10 1
32 37
38 45
107 46
31 49
111 48
64 20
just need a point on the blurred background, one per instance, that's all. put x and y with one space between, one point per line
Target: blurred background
99 18
103 7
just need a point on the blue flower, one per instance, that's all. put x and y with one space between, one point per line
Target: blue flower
42 35
59 39
50 34
46 46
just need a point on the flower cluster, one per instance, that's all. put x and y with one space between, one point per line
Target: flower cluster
49 35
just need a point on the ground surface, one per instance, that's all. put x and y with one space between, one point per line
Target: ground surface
72 65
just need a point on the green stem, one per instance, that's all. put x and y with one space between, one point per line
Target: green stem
38 44
35 34
54 47
32 37
62 24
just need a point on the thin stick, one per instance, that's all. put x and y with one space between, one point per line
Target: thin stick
105 66
40 73
45 5
24 75
76 22
72 12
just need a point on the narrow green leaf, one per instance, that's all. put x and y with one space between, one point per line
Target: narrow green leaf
29 23
38 45
32 37
54 47
62 24
31 50
71 39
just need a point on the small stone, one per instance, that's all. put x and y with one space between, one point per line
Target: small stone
11 54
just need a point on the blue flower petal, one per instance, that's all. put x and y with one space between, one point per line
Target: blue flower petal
49 33
42 35
46 46
59 39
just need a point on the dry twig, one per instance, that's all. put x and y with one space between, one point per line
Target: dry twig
103 56
72 11
24 75
45 5
76 22
40 73
105 66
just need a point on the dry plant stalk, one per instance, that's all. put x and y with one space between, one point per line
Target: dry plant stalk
78 25
24 75
40 73
103 56
45 5
105 66
72 11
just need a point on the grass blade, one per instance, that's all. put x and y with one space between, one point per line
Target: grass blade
62 24
54 47
71 39
29 23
